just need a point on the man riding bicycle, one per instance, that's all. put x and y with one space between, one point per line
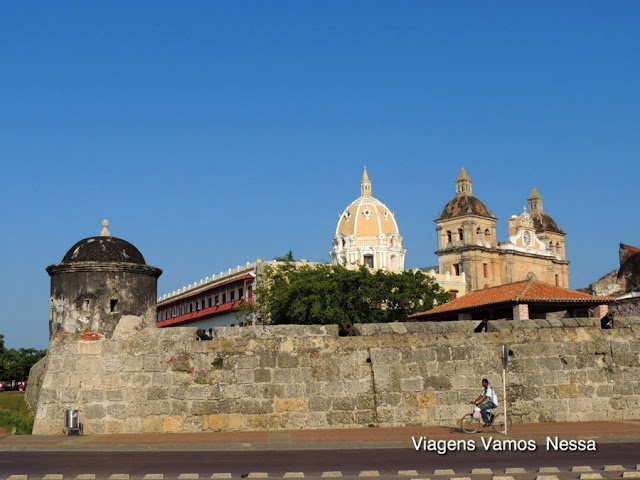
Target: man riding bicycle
488 400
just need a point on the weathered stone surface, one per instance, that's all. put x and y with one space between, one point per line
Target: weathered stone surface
275 377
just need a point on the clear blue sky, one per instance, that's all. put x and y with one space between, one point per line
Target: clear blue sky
214 133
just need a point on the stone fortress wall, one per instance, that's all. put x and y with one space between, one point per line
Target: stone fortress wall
291 377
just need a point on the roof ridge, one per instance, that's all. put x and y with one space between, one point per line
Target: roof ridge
526 289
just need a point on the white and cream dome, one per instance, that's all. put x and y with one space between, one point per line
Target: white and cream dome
367 234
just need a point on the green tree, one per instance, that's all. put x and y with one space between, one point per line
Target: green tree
326 294
285 258
16 363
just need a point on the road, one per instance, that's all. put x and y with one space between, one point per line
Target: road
387 461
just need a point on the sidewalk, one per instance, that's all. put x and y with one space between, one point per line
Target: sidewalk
382 437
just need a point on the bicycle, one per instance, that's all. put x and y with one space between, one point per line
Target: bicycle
470 423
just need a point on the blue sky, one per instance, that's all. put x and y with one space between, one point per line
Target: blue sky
214 133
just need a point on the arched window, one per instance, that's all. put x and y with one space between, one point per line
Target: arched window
460 235
558 247
551 246
479 235
448 236
487 235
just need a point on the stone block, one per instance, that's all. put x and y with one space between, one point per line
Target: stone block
153 424
179 407
340 418
94 411
284 360
157 393
292 404
437 383
154 363
114 395
172 424
568 391
158 407
117 410
245 376
90 347
411 384
426 399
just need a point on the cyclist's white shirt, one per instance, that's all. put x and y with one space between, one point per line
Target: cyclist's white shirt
490 393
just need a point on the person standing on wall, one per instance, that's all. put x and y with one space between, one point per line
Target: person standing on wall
488 400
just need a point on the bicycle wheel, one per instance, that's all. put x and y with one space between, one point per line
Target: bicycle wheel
499 424
469 424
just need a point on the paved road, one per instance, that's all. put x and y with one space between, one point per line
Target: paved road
386 461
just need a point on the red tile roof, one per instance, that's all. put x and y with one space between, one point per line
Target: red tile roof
526 291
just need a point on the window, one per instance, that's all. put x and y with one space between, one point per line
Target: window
448 236
453 294
232 295
190 307
209 302
217 300
487 235
224 298
456 269
485 269
368 261
460 235
202 304
240 293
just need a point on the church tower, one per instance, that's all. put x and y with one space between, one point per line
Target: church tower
466 234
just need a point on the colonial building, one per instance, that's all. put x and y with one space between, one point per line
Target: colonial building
467 242
211 302
367 234
214 301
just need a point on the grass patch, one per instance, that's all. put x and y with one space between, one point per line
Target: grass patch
14 413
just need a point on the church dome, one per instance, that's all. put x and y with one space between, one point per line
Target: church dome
104 248
367 233
464 203
541 221
367 217
544 223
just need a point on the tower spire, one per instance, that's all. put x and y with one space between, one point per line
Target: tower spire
365 184
535 200
463 183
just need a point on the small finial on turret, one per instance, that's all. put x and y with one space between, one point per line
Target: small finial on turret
104 232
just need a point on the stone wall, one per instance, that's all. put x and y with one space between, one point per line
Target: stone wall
290 377
626 307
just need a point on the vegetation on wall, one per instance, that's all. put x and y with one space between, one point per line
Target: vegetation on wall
332 294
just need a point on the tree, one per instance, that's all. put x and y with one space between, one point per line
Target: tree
285 258
326 294
16 363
